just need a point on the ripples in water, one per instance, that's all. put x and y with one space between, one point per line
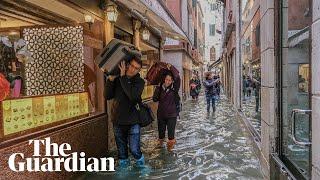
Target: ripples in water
209 146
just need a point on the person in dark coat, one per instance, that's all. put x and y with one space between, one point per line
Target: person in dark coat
167 94
257 87
217 87
126 91
210 91
249 86
195 87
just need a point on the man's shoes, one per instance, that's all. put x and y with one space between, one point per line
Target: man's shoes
170 144
124 163
144 169
123 169
140 162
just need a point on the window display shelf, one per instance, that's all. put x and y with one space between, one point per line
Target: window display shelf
20 115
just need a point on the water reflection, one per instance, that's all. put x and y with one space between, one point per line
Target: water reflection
209 146
249 110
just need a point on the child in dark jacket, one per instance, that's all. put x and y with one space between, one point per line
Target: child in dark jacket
167 96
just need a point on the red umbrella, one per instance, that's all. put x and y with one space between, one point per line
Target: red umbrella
157 72
4 87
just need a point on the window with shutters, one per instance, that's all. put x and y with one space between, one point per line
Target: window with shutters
212 29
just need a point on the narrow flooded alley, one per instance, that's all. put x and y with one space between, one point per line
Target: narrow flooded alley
209 146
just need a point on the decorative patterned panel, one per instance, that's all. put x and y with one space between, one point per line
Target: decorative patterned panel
57 65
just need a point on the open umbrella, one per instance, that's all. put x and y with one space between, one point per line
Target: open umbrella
159 70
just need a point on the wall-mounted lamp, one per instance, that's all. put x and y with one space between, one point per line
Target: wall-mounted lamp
89 19
112 13
176 37
145 34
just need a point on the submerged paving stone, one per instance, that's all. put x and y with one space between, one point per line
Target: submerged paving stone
209 146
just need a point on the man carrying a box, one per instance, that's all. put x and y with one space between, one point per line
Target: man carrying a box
126 91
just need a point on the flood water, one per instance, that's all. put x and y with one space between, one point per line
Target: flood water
209 146
249 110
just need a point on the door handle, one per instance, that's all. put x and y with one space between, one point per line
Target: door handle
293 126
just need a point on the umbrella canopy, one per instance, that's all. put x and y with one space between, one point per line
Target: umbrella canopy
159 70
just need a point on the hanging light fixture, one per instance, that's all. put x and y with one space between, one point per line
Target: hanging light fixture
145 34
112 13
89 19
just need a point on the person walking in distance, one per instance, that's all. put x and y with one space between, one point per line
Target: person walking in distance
210 90
195 87
167 94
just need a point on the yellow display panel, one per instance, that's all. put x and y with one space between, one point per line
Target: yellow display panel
38 111
62 110
49 109
19 117
23 114
83 103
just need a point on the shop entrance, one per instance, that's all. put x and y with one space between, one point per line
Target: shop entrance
294 148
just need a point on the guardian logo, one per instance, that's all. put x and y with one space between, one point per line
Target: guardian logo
57 157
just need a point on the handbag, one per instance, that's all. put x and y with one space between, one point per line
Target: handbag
146 116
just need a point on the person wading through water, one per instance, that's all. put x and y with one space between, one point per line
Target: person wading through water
195 87
210 89
126 90
167 94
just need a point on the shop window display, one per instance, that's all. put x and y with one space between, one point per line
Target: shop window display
147 59
45 70
303 78
150 55
13 57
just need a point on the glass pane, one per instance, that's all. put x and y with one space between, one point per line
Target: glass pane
296 82
251 64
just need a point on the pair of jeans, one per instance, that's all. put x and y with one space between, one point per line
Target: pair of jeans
167 123
128 134
211 100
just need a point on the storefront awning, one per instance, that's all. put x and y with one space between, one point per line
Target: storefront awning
215 64
298 37
156 17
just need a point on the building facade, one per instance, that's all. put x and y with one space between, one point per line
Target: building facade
213 21
58 89
285 58
186 55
